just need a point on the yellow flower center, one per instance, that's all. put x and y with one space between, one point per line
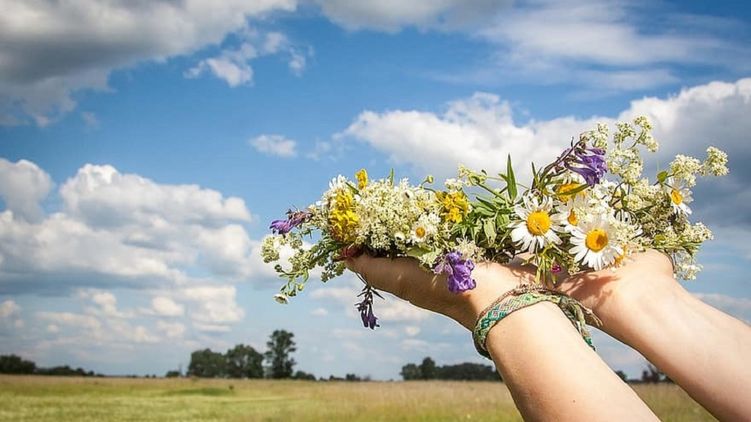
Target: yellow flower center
563 191
538 223
362 179
572 219
596 240
676 197
420 232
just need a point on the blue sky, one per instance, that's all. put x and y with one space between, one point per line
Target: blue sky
144 148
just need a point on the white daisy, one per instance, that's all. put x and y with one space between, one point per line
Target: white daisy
536 227
594 243
679 195
424 228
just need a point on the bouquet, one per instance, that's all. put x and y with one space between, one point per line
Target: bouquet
589 209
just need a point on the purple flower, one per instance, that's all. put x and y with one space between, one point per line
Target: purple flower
365 307
294 219
458 270
587 162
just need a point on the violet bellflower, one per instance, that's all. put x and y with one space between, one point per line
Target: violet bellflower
365 307
589 163
458 270
294 219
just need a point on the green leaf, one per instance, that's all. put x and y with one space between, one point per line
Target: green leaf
417 252
391 177
662 176
488 226
511 180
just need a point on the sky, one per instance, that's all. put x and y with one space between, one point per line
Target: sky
146 145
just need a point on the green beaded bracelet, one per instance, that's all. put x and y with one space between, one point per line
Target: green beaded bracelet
528 295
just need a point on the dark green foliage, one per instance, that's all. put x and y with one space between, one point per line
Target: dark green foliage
12 364
280 346
244 362
207 364
428 370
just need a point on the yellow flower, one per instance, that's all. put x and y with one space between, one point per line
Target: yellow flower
362 179
455 205
343 220
563 191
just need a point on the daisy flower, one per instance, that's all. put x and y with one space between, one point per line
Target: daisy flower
679 195
594 243
536 227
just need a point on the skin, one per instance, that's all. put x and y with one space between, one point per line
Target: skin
699 347
556 377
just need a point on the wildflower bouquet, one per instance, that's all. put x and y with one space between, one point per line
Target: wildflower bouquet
587 210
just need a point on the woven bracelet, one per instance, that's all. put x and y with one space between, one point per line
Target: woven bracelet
528 295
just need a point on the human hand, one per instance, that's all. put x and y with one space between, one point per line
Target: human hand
405 278
614 294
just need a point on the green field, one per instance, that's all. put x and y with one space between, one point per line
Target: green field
37 398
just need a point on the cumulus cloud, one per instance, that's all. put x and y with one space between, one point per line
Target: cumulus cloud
213 306
51 49
120 229
9 308
23 185
480 131
233 65
165 306
274 145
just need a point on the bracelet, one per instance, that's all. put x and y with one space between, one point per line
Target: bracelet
528 295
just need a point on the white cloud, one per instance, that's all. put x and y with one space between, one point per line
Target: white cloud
319 312
51 49
9 308
80 321
122 229
213 306
233 65
480 131
165 306
411 330
274 145
392 15
171 329
23 185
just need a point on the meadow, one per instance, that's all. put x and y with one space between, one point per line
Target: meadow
59 399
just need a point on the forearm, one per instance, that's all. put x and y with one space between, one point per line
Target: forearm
702 349
554 375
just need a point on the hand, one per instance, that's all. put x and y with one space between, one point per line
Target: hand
614 293
406 279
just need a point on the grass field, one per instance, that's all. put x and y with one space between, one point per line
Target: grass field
27 398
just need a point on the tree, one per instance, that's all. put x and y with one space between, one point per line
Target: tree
410 372
280 347
207 364
12 364
244 362
622 375
302 375
427 369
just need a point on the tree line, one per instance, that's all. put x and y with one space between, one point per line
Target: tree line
428 370
243 361
12 364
